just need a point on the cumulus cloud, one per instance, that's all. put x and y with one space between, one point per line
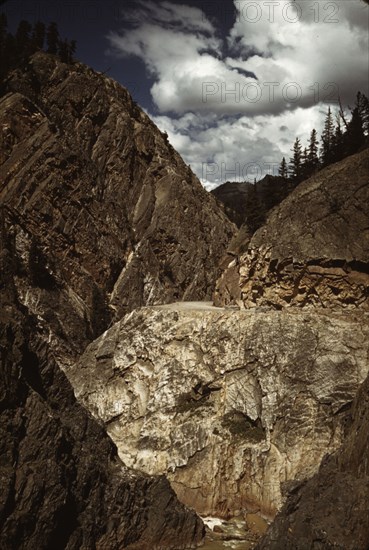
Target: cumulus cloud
243 97
238 148
315 51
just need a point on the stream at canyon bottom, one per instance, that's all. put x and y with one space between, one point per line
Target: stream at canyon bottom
239 533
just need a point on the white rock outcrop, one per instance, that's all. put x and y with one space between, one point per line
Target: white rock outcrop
228 404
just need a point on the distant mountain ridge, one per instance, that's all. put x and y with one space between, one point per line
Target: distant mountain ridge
248 203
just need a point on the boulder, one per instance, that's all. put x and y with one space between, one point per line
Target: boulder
229 405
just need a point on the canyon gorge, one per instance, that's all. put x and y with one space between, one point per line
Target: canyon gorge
159 364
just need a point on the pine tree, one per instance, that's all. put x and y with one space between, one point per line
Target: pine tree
38 36
23 41
63 51
255 213
67 50
3 39
16 50
305 166
313 157
305 155
10 55
3 28
362 103
338 148
283 169
327 139
52 38
354 137
296 162
72 50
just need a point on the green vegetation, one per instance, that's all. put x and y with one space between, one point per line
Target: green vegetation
340 138
283 169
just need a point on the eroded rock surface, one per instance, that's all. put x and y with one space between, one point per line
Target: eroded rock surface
229 404
331 509
108 215
62 485
314 248
99 215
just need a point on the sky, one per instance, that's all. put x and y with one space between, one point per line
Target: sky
232 82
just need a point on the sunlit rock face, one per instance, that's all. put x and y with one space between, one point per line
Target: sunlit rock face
111 214
314 248
229 404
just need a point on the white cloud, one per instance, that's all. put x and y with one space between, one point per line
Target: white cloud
303 54
325 51
239 148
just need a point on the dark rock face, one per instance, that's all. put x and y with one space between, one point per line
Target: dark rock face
62 485
314 248
233 195
331 509
112 214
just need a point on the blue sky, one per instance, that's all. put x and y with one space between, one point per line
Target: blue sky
91 21
233 82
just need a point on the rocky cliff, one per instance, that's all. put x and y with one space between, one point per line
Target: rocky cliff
313 249
62 485
100 215
331 509
109 217
239 407
228 404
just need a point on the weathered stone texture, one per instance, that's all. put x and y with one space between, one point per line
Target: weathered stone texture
331 509
62 485
314 248
117 218
228 404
